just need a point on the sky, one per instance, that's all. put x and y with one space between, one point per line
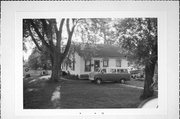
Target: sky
29 47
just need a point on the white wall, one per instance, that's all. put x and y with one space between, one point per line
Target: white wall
112 62
76 71
124 63
80 64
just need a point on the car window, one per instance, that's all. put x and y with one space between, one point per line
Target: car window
118 70
112 70
122 71
103 70
125 71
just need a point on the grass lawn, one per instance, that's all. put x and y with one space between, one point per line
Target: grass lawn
37 93
83 94
79 94
135 83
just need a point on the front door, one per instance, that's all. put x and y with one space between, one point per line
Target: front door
96 65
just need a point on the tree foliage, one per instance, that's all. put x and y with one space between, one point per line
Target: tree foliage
93 31
96 30
139 37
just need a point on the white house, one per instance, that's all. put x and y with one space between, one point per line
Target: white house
105 56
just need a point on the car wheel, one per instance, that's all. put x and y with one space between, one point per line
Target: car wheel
98 81
122 81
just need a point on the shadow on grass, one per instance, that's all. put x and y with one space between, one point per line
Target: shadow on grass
37 93
78 94
83 95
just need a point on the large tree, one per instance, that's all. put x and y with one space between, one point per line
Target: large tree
139 37
47 33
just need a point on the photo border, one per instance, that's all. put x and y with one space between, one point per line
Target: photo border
16 96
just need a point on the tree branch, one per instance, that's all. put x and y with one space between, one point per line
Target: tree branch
70 34
49 30
59 35
45 26
40 36
67 26
34 40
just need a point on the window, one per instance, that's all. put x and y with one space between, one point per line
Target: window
103 70
105 63
118 70
87 65
118 63
112 70
122 71
125 71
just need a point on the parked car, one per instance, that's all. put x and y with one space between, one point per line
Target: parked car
137 74
114 74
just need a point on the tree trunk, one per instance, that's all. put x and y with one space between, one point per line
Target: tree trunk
56 68
149 73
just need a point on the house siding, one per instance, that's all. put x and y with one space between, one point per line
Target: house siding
76 71
124 63
80 64
112 62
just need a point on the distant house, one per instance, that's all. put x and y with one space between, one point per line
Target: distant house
103 56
